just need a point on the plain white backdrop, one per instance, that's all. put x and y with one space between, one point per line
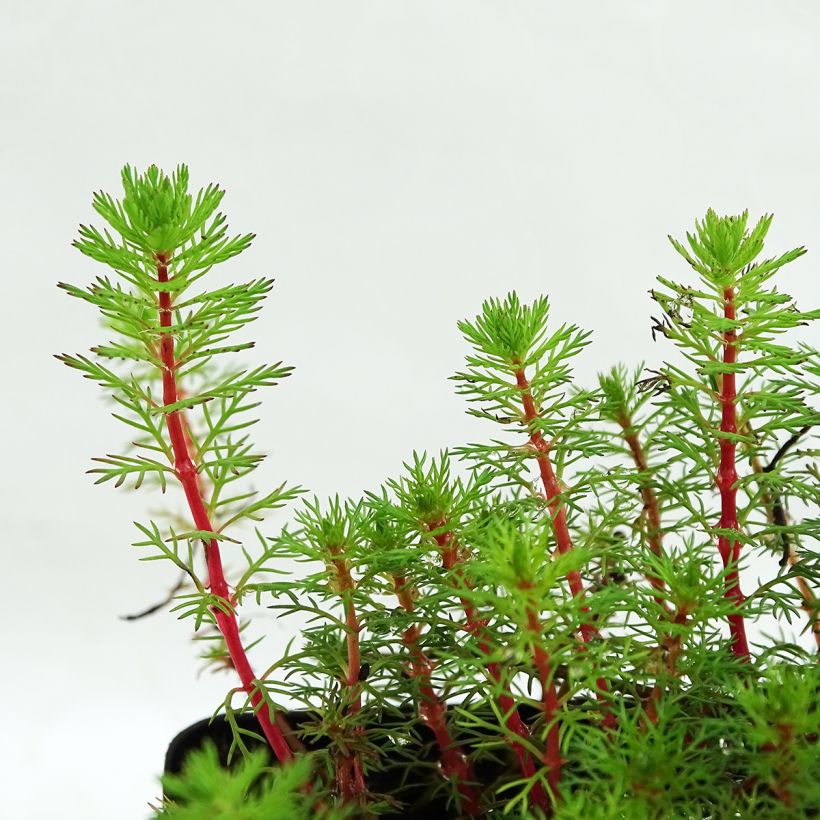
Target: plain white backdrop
400 162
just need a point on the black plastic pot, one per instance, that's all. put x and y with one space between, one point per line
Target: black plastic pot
419 788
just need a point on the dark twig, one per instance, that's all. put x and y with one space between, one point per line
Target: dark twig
136 616
778 509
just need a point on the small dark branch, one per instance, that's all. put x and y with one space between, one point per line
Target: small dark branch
658 326
787 445
136 616
778 509
659 383
776 514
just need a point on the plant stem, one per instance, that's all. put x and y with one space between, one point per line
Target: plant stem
558 519
650 501
558 514
187 475
169 596
477 627
432 711
549 696
670 646
349 772
726 479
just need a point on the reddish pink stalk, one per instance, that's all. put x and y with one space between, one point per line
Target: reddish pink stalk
349 772
478 628
552 750
558 518
433 712
557 512
187 474
726 479
650 501
671 646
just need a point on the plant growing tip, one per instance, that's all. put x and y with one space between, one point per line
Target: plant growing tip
533 625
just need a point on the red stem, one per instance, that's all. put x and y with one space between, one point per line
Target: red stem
433 712
552 751
478 628
726 479
671 646
349 772
650 501
558 518
187 474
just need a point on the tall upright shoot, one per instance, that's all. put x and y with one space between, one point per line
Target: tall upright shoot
508 339
165 240
727 331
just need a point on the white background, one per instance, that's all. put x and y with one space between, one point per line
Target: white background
399 161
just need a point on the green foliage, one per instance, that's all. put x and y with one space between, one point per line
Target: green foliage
510 334
205 790
515 354
428 496
717 761
157 215
508 337
511 551
158 222
780 723
776 382
580 544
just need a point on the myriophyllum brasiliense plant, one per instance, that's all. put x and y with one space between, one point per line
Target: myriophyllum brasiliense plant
553 622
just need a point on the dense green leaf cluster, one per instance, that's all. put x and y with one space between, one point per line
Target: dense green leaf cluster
205 790
448 578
